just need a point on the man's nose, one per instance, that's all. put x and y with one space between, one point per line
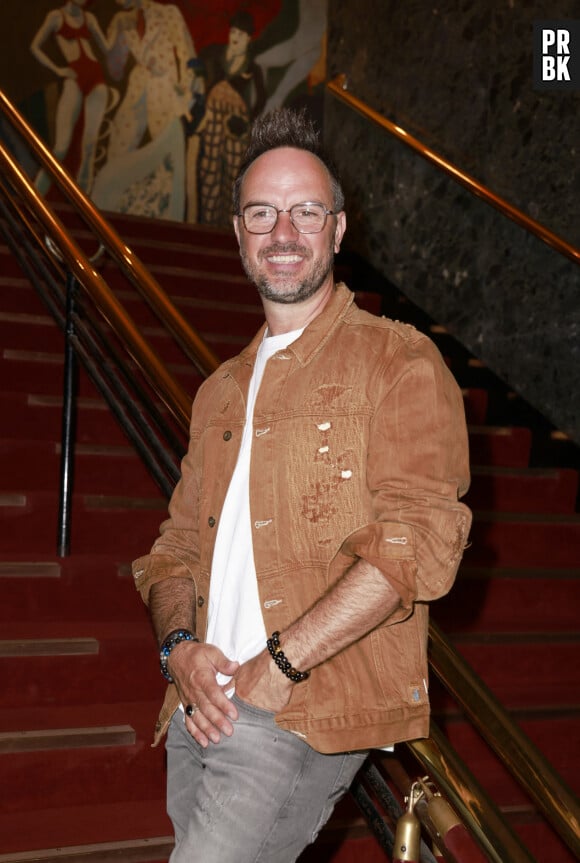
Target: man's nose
284 230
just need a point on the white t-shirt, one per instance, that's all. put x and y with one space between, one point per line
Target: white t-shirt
235 620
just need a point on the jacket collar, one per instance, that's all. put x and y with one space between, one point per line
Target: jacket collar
316 334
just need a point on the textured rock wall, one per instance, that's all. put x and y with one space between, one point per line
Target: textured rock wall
458 76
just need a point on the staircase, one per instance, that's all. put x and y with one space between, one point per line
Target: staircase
81 686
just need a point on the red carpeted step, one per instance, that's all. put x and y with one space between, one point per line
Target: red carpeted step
230 320
159 252
159 229
50 589
541 839
522 489
543 668
83 824
127 772
509 446
141 716
225 347
492 599
38 416
25 372
524 540
557 738
39 372
191 281
330 847
17 295
64 830
30 331
475 403
35 465
122 527
75 668
21 371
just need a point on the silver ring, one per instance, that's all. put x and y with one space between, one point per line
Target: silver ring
190 709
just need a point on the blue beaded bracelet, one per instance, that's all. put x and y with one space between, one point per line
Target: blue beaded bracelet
173 639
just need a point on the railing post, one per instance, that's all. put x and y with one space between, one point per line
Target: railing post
68 427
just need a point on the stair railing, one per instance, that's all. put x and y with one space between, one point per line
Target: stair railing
190 341
81 272
338 87
514 749
492 833
48 233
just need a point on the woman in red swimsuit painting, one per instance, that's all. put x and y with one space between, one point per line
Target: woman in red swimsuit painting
84 88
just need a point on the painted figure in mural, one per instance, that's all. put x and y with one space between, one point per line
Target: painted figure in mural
84 89
145 170
157 38
236 95
299 53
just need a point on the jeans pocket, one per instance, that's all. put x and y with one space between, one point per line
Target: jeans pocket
251 708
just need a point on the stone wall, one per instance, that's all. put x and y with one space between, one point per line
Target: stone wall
458 76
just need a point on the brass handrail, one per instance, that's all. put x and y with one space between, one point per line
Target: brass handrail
524 761
471 802
338 87
189 340
168 389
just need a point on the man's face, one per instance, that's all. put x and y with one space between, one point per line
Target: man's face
239 40
286 266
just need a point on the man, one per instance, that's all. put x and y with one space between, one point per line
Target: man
316 514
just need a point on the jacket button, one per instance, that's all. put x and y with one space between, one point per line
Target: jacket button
227 435
211 521
200 601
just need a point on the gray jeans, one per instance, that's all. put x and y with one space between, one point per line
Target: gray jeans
260 796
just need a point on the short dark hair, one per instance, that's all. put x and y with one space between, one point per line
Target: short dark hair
285 127
243 21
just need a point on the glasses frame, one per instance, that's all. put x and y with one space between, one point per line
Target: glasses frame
327 213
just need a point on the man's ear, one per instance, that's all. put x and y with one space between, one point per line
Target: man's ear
237 229
339 230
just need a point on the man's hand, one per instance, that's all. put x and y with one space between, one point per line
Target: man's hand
260 682
193 667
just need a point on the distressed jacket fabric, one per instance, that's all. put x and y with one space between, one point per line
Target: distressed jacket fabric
359 451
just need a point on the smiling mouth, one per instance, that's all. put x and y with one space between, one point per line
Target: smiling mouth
284 259
284 254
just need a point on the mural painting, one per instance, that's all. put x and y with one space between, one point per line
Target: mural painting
149 103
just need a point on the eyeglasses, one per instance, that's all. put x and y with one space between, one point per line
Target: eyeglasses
308 217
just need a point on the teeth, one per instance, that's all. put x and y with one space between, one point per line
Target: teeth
285 259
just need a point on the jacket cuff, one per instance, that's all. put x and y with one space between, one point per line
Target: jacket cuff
154 568
390 547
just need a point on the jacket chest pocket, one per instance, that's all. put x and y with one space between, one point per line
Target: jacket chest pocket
325 477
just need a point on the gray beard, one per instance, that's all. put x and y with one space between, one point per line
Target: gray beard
288 291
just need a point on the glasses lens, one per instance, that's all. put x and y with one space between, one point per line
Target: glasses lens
308 218
260 218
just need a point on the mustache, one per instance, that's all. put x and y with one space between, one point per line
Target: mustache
292 248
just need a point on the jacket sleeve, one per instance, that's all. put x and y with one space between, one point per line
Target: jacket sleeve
417 469
175 553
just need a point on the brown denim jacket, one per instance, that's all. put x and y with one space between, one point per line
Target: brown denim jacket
359 450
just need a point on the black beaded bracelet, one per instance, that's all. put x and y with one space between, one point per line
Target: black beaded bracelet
283 664
173 639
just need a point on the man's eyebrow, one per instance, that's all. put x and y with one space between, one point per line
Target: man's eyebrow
258 204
